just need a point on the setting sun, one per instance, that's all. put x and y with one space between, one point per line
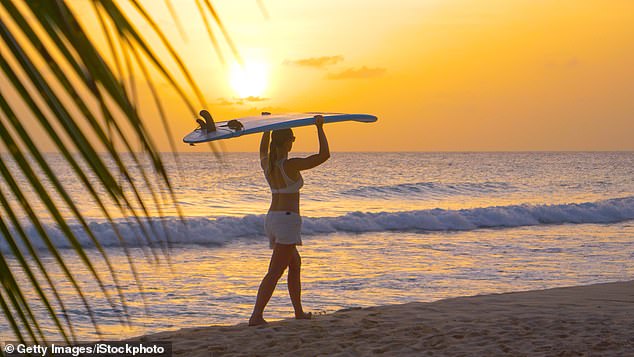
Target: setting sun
249 80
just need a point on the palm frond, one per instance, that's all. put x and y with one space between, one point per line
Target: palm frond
60 98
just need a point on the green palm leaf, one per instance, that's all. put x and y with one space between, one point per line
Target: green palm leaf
56 99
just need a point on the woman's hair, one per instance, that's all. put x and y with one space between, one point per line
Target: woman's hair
278 138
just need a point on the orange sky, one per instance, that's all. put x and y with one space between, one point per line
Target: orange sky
441 75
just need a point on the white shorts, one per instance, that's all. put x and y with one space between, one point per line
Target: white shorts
283 227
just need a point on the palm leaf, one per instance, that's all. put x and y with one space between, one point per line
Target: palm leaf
55 105
64 117
27 268
210 32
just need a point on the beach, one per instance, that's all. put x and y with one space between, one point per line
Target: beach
592 320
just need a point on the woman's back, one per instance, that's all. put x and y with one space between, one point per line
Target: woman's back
285 185
281 179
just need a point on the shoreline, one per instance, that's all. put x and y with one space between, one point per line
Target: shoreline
584 320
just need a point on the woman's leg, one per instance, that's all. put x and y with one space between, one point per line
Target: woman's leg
280 259
295 285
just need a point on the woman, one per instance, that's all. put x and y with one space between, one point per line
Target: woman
283 222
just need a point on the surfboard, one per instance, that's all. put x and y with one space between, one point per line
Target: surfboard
211 131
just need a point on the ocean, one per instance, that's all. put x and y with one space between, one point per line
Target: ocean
378 228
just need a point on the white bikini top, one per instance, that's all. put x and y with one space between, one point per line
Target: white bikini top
291 186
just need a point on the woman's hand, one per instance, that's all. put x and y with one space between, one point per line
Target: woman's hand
319 120
316 159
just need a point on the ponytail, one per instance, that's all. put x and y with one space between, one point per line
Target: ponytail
278 139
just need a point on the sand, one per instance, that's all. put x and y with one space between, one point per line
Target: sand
594 320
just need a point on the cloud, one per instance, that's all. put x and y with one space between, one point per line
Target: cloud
240 101
352 73
223 101
255 99
315 62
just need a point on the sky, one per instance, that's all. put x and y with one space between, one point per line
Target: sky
441 75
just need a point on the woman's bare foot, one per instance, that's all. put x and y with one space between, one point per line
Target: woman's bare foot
304 316
257 321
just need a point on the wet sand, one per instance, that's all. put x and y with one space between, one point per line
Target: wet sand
593 320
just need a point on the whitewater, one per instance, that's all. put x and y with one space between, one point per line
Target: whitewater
224 230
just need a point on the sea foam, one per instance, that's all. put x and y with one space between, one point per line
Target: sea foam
219 231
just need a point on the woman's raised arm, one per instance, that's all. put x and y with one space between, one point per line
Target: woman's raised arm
264 147
316 159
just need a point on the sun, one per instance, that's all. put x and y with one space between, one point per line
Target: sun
250 79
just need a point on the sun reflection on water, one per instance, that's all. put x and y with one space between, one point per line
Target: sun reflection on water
207 285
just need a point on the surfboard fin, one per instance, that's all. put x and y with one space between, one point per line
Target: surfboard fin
235 125
203 125
209 121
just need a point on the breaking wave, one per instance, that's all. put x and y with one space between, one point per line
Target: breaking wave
219 231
